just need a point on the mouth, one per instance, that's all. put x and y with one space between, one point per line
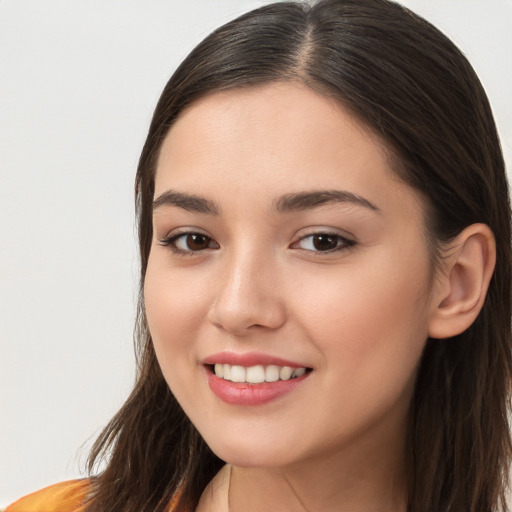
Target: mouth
253 378
256 374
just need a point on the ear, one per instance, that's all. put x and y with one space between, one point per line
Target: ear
463 278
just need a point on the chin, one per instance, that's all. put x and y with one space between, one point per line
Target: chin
244 452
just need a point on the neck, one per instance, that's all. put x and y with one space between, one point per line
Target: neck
323 486
342 482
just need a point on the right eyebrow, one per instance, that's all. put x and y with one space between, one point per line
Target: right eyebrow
187 202
315 198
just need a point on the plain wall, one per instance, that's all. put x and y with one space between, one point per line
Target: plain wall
78 83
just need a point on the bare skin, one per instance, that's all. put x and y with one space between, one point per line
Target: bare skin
249 257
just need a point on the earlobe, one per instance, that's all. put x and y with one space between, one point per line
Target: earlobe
463 280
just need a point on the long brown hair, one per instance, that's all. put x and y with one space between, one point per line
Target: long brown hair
407 82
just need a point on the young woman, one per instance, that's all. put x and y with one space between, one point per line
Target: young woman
324 317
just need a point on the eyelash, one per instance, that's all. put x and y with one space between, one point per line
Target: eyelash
171 241
342 243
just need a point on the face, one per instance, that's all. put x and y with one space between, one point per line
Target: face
289 259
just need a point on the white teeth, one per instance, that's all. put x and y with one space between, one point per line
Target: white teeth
219 370
257 374
298 372
237 373
272 373
285 373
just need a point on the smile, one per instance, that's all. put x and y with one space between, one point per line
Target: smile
253 385
256 374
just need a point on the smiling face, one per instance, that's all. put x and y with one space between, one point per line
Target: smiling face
282 239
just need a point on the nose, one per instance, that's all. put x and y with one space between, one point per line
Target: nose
248 297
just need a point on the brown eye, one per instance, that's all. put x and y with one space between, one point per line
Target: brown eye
324 242
188 243
196 242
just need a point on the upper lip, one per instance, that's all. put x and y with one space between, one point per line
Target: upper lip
250 359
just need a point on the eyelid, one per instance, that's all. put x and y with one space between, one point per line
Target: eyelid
186 230
347 241
173 236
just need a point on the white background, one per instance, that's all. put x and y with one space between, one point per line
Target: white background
78 83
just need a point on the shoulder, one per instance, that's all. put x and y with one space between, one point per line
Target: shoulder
66 496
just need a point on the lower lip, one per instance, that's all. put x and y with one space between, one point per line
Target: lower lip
238 393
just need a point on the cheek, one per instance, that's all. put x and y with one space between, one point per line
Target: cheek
370 339
175 308
370 321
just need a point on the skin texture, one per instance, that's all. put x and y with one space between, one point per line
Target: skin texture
358 316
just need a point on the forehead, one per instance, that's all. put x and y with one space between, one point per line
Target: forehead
278 104
277 138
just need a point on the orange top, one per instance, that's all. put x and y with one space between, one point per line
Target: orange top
66 496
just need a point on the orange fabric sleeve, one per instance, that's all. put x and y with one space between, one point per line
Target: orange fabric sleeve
66 496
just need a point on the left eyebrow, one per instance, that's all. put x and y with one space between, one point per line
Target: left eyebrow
189 202
306 200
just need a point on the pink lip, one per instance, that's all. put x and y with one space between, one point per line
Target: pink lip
237 393
249 359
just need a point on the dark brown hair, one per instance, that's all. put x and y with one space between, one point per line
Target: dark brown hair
407 82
